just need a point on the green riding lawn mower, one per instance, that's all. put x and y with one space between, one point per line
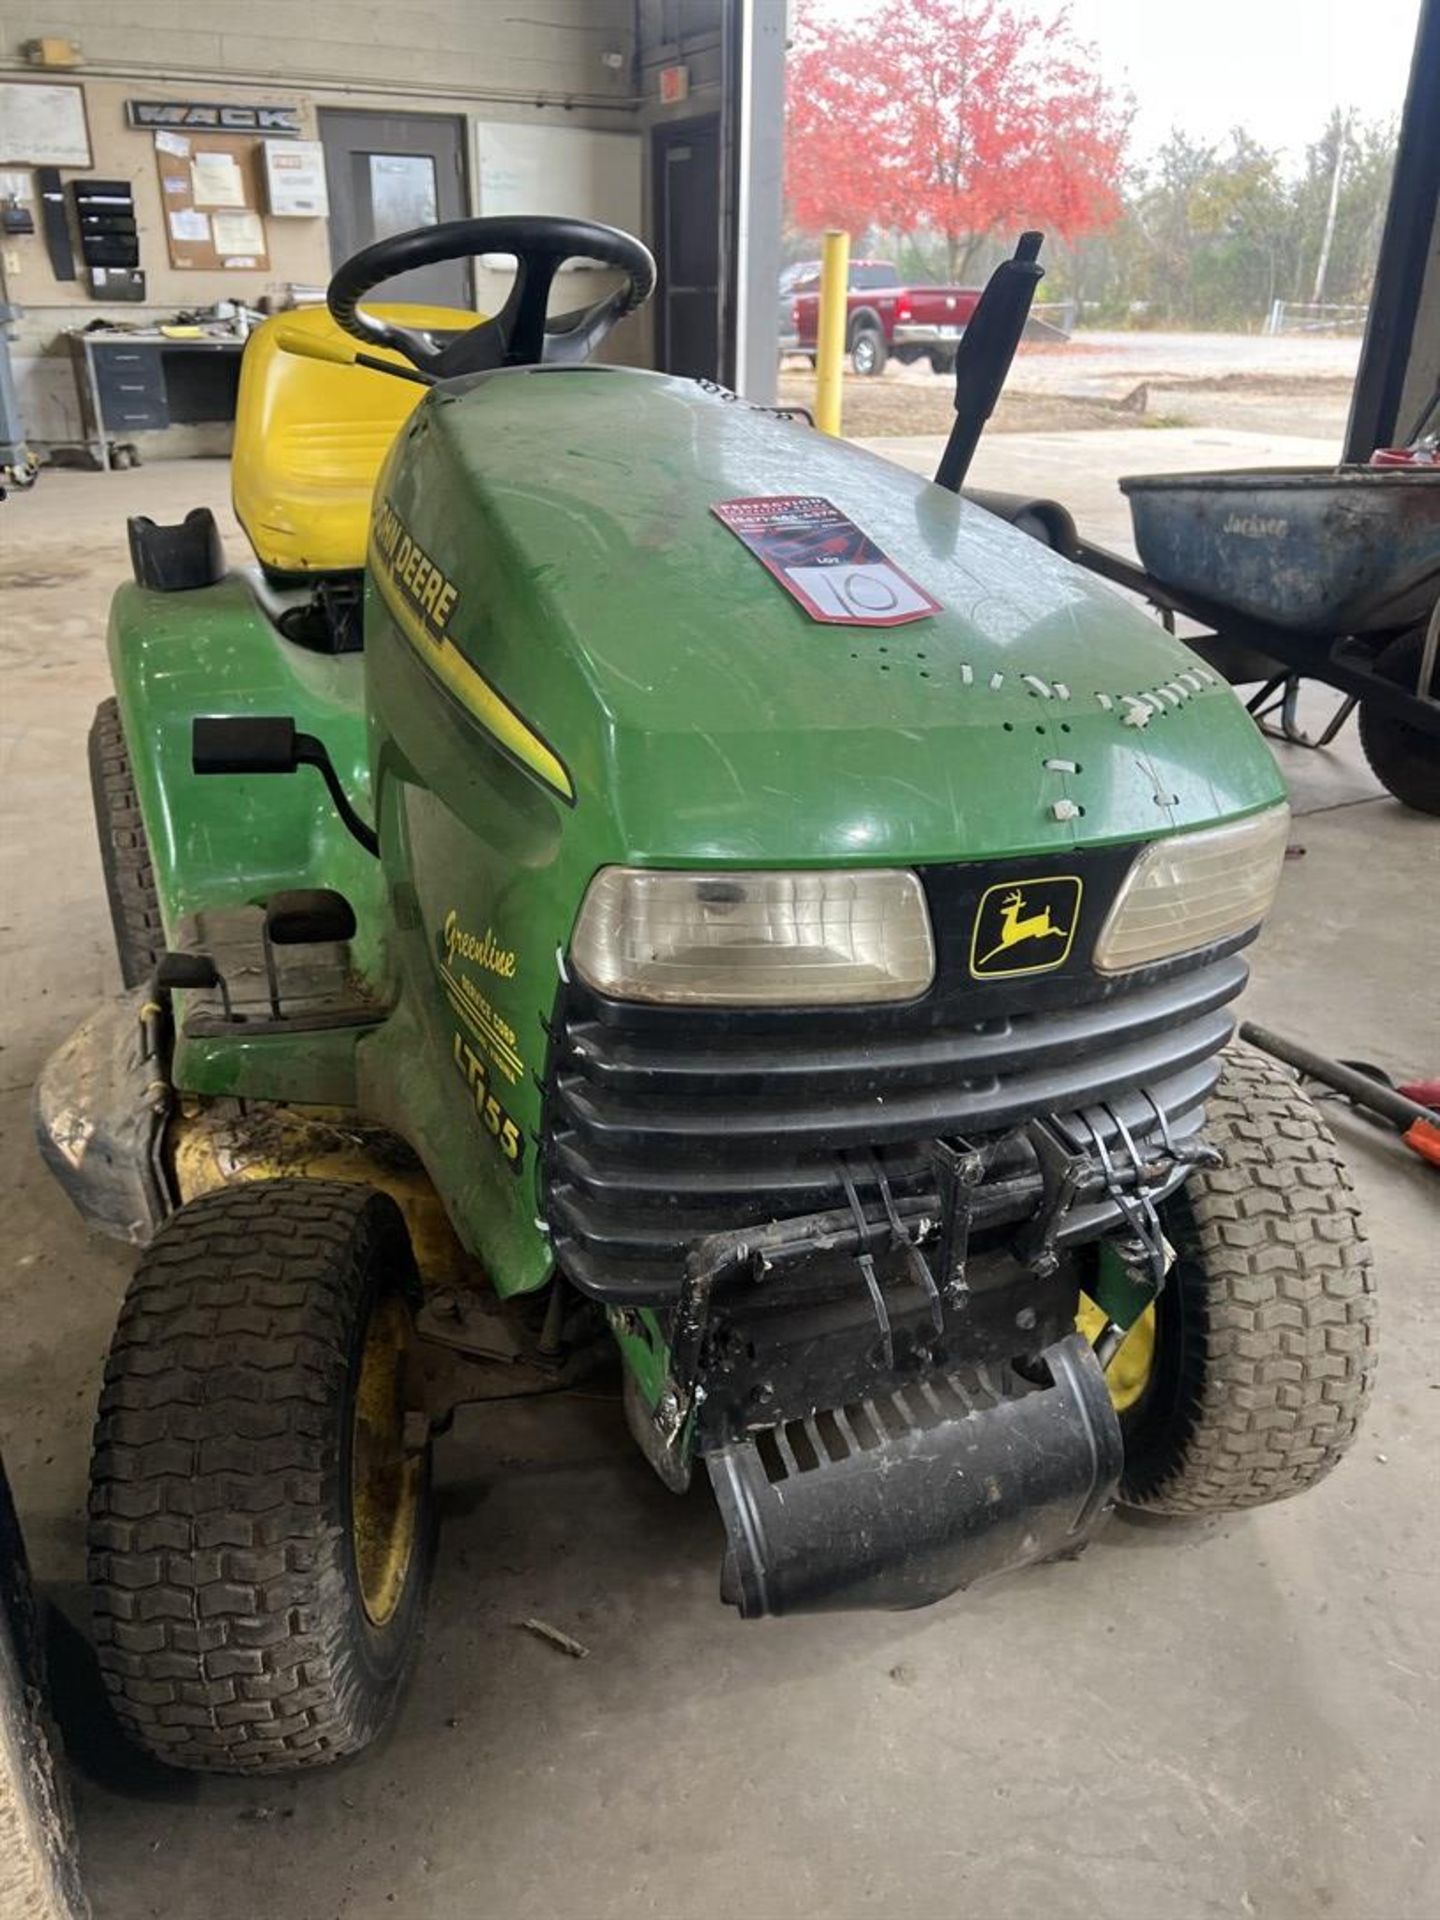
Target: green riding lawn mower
628 884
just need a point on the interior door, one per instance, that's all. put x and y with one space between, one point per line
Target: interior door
389 173
686 161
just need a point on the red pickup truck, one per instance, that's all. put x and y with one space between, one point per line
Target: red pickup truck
883 318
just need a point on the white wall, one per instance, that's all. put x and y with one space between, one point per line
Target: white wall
487 60
464 47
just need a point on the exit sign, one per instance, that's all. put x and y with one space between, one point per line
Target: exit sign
674 85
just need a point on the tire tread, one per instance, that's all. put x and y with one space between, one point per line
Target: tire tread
1290 1314
215 1556
124 849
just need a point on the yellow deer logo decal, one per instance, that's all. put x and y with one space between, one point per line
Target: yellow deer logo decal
1017 927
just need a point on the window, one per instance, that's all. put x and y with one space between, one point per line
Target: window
402 192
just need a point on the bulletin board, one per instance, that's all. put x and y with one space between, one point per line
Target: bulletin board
212 191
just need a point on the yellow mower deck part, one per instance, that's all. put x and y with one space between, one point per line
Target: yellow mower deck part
384 1477
311 435
1129 1371
211 1148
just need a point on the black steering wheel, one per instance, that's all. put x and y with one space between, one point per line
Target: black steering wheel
519 335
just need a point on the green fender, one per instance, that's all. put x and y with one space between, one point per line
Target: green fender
225 843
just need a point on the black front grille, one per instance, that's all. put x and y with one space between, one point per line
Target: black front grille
664 1125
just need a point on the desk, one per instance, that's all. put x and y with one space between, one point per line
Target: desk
146 382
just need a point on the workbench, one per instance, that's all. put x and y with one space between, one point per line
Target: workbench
143 382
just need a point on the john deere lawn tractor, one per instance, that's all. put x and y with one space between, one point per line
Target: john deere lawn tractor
624 882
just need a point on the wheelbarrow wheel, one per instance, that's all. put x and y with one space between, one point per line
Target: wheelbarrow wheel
1264 1337
124 849
1405 761
259 1514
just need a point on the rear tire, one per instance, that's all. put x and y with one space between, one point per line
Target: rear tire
942 363
868 352
124 849
1265 1330
1405 761
256 1605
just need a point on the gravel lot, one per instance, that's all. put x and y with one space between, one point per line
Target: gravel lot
1107 380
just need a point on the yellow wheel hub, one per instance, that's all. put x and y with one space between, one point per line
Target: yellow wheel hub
384 1478
1128 1373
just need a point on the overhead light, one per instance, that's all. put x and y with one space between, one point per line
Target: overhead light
52 53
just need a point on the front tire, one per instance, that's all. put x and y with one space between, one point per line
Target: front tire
1405 761
258 1528
1265 1330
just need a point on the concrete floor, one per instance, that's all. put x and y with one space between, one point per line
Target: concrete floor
1082 468
1234 1719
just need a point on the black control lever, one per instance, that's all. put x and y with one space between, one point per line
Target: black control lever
270 743
190 973
987 346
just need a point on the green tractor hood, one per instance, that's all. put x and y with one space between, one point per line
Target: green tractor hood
623 644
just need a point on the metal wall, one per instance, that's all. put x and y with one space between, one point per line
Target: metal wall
734 51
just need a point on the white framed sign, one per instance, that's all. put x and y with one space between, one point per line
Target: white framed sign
43 125
295 179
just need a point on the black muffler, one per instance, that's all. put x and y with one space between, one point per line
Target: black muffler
905 1497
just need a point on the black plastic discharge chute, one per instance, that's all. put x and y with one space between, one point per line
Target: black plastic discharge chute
947 1483
986 349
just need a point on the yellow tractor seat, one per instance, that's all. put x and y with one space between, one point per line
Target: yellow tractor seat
311 435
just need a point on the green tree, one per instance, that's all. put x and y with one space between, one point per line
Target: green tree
1367 159
1244 245
1212 234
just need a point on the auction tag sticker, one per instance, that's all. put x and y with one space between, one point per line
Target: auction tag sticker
824 561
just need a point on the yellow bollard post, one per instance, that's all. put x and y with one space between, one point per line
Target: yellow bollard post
830 330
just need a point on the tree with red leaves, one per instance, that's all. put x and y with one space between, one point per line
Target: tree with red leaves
958 117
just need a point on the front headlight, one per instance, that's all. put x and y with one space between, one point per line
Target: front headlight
755 939
1193 889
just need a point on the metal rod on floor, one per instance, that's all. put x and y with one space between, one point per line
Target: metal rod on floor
1359 1087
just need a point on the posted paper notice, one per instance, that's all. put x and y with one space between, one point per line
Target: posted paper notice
823 560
